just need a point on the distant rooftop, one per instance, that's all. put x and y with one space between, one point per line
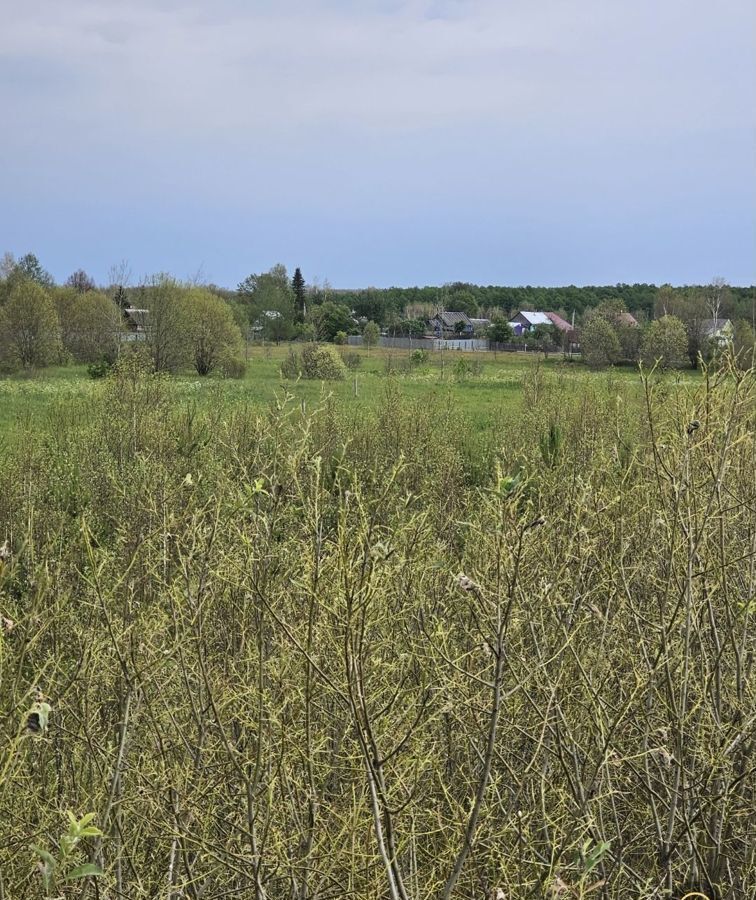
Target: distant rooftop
535 318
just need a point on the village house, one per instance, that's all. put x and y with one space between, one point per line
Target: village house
480 325
718 331
451 324
267 315
527 321
135 324
559 323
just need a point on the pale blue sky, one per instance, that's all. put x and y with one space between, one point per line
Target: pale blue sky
402 142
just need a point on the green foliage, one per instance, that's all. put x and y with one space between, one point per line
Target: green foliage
419 357
665 343
64 865
465 368
280 632
331 318
100 369
340 337
461 298
599 343
306 332
231 365
90 324
29 327
168 332
407 328
269 301
300 295
314 362
744 344
550 444
499 331
29 268
371 335
212 332
352 360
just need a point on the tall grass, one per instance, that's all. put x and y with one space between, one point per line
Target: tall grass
377 654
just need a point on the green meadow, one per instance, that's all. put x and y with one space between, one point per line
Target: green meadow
487 394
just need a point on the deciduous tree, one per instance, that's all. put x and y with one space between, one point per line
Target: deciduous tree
90 324
212 330
665 342
29 327
80 281
599 343
499 331
167 323
371 334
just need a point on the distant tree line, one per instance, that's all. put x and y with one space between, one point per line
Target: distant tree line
205 326
384 304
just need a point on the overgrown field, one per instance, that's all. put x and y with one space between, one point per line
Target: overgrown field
363 647
481 385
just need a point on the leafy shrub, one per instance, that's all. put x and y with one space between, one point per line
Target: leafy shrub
238 578
290 367
315 362
232 366
99 369
419 357
352 360
463 368
340 337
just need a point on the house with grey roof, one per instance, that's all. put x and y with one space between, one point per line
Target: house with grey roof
451 324
719 331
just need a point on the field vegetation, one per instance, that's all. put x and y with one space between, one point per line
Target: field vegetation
437 632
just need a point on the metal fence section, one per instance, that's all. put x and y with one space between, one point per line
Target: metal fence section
466 344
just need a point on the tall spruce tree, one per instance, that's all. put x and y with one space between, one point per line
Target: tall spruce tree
298 286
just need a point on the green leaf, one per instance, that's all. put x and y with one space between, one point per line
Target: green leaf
85 871
45 855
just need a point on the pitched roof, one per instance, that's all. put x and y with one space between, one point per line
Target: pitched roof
534 318
450 319
625 318
712 327
558 322
137 316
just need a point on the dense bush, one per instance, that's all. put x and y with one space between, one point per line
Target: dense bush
232 366
212 333
352 360
316 362
99 369
383 655
665 343
599 343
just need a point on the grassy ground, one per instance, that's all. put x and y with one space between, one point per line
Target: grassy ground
489 396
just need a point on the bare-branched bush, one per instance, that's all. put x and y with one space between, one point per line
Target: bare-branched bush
376 655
